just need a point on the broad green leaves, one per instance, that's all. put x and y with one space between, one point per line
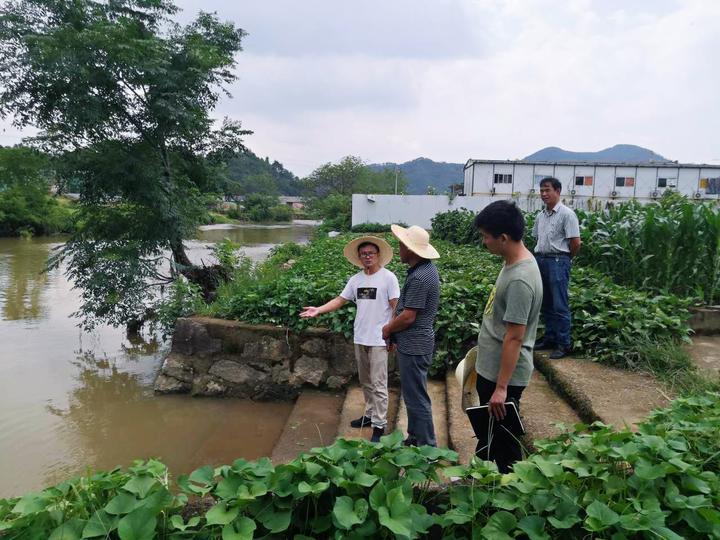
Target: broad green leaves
661 481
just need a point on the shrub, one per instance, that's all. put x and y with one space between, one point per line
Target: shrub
608 317
281 212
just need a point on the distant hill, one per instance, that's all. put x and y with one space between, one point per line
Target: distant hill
247 166
620 152
424 172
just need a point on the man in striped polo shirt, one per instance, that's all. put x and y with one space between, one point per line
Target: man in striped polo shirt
558 240
411 330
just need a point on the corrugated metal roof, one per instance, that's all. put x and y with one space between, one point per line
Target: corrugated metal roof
669 164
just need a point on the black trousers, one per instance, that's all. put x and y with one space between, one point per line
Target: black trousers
504 449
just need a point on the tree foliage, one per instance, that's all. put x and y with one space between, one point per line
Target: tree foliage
349 176
26 205
124 95
330 187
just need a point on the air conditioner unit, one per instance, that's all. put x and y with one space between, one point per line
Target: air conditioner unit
614 194
698 195
573 192
532 190
655 194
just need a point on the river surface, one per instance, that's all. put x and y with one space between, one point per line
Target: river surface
71 401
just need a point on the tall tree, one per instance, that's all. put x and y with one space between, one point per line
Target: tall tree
125 95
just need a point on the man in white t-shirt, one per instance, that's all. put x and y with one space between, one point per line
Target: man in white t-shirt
375 291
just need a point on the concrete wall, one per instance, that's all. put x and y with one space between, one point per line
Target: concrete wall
410 209
215 357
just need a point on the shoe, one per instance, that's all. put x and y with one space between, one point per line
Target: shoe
543 344
360 422
410 441
560 352
377 433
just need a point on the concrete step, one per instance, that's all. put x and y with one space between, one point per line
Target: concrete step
354 407
312 422
598 392
438 398
705 353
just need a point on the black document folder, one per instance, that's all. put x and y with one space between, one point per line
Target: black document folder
485 425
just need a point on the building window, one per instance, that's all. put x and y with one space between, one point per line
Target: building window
662 182
502 178
667 182
624 181
583 180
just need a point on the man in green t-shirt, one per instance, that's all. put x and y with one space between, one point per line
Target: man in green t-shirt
505 342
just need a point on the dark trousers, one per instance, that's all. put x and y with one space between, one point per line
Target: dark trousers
504 449
555 273
413 383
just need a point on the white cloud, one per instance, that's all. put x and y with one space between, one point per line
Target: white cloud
450 80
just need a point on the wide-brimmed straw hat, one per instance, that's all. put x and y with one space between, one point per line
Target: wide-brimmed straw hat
416 239
465 370
351 250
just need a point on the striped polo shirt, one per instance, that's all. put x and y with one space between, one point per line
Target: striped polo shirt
554 228
421 292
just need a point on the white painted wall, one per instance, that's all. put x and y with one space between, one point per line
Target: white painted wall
420 209
479 178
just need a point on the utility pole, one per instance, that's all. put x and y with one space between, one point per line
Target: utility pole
396 175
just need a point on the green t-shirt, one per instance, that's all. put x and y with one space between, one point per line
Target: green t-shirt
516 298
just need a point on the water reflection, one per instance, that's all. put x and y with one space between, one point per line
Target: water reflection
71 400
22 278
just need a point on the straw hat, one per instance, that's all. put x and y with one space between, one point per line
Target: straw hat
465 370
417 240
351 250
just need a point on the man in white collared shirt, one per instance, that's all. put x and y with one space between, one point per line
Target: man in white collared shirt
558 240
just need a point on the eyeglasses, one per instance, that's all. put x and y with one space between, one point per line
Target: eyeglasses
367 254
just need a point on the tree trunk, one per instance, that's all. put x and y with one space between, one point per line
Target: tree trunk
179 255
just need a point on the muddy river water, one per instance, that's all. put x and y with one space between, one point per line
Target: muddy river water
72 401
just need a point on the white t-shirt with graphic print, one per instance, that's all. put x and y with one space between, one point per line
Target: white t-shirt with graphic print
372 295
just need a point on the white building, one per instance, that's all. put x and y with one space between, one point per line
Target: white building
583 181
586 185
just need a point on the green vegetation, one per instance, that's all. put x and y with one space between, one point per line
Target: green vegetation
609 319
672 245
662 481
247 173
124 101
26 205
329 189
669 246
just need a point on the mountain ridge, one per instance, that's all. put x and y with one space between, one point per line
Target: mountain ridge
423 173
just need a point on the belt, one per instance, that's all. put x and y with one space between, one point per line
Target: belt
553 255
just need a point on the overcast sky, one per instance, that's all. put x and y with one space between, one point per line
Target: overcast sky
394 80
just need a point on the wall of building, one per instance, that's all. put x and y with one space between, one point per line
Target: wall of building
582 181
215 357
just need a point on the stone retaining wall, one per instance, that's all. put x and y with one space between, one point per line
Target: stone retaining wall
215 357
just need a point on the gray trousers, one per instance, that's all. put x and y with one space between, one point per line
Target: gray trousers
373 375
413 381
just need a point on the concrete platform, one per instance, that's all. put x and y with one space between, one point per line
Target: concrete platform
598 392
312 422
354 407
436 390
542 409
705 352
